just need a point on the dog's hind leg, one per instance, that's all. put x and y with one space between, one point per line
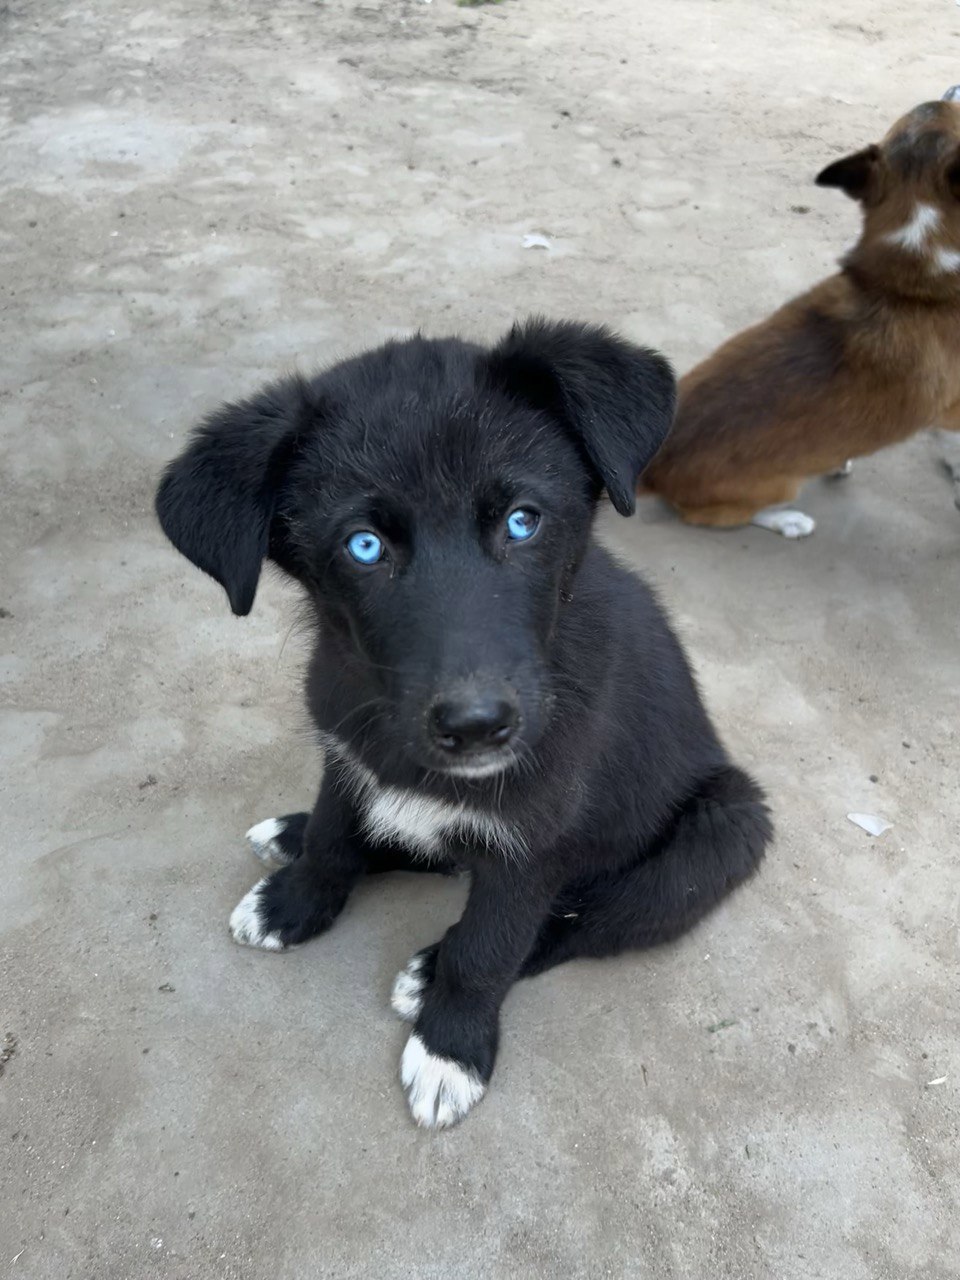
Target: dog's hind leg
716 842
764 504
785 520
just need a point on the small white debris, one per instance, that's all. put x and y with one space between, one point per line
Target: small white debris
14 1258
156 1242
534 240
870 823
939 1079
111 333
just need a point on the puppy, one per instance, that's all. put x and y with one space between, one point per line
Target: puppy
491 690
865 359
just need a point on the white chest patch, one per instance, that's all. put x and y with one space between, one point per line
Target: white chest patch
420 823
915 233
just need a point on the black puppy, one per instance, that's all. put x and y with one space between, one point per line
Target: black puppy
491 690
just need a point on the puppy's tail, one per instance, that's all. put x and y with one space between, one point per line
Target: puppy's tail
716 842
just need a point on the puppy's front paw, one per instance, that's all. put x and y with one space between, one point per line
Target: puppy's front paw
439 1090
287 908
278 840
248 921
411 982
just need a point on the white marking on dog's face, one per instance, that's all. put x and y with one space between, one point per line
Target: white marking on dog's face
420 823
263 840
439 1091
946 261
246 925
792 524
406 998
915 232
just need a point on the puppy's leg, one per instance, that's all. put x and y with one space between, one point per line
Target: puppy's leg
763 503
785 520
718 515
304 897
717 842
448 1060
411 982
280 841
841 473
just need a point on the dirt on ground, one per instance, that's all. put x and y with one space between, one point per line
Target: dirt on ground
198 196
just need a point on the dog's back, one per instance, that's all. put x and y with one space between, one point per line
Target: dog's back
861 361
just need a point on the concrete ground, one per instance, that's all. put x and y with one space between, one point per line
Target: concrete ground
199 195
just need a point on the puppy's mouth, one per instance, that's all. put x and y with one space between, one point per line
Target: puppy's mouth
480 765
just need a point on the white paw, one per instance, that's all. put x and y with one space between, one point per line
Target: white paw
840 473
440 1092
264 842
247 926
407 994
792 524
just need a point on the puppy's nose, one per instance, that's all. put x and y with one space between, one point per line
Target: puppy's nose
473 722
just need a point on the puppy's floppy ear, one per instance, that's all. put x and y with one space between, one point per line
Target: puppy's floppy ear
217 502
857 175
616 400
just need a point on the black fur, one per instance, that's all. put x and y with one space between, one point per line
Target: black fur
623 819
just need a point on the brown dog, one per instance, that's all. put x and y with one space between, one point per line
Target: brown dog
867 358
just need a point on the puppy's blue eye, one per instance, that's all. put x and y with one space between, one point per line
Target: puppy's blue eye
522 524
365 547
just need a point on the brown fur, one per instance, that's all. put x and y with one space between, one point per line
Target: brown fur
866 358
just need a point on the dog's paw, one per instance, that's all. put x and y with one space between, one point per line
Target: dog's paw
411 982
248 921
278 840
841 473
439 1091
289 907
791 524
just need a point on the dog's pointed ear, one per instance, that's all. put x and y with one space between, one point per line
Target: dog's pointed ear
856 175
615 399
217 502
